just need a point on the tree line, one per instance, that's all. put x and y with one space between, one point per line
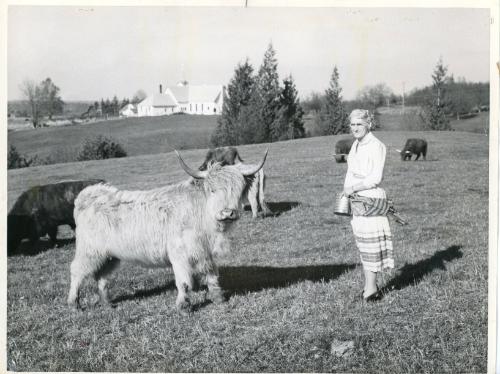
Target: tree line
256 108
104 108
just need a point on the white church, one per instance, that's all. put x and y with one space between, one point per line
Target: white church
183 98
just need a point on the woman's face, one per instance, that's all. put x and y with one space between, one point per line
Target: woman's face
358 129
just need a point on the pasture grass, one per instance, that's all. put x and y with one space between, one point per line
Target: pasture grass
292 280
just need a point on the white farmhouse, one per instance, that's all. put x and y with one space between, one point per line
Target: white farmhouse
128 110
183 98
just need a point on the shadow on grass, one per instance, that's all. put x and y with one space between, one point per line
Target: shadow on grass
144 293
277 208
28 249
411 274
238 280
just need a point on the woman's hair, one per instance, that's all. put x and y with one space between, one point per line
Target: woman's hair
362 115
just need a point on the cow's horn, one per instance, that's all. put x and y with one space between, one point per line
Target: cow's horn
398 150
194 173
258 167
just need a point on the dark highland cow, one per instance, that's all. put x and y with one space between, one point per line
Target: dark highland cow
41 209
342 148
224 155
414 147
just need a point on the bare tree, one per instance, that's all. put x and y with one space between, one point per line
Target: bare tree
44 99
32 93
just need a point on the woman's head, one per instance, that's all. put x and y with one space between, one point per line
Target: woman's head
361 122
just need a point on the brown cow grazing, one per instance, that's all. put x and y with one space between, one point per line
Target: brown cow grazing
181 225
254 193
413 147
41 209
224 155
342 148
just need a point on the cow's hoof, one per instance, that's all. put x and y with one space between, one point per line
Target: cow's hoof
74 306
217 297
185 308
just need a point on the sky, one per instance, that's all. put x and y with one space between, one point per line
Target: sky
98 52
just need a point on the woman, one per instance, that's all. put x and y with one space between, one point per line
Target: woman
364 173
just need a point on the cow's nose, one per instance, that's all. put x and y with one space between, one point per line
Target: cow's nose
228 214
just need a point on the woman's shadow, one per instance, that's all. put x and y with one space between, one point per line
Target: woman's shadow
411 274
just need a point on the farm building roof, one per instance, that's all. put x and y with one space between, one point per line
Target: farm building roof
158 100
196 94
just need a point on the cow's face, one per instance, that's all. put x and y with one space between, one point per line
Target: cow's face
224 188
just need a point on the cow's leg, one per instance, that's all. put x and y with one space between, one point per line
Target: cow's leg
184 283
52 231
77 277
418 155
81 267
214 290
265 209
102 275
252 196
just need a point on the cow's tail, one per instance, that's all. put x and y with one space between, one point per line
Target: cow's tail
262 181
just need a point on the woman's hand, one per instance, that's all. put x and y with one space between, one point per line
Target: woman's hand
348 191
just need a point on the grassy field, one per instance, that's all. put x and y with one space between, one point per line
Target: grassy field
292 280
152 135
145 135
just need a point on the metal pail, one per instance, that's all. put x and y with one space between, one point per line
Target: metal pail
342 205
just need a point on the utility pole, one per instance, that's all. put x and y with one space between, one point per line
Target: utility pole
403 97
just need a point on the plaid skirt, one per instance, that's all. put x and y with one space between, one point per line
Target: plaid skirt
374 240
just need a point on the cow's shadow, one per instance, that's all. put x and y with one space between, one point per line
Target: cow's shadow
26 248
411 274
239 280
277 208
144 293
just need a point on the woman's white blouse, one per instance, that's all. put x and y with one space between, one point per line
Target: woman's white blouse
365 166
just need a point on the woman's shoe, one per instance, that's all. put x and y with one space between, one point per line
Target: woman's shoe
376 296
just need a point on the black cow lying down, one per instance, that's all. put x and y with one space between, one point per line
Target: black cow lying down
41 209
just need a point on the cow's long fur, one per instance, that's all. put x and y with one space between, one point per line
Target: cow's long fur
180 225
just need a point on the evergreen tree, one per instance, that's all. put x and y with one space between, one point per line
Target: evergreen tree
332 119
265 100
288 123
115 106
236 97
437 107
